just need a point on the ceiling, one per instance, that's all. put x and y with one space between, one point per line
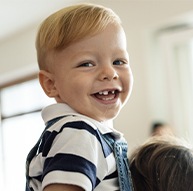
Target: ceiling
16 15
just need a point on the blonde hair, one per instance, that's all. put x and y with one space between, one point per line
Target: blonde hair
69 25
162 164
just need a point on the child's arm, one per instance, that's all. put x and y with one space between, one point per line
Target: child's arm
62 187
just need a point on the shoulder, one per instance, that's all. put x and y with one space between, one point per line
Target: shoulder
72 131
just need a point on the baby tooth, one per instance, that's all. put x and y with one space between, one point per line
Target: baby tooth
105 92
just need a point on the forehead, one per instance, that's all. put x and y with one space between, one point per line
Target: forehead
111 41
113 36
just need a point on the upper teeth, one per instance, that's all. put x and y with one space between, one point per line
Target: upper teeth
106 92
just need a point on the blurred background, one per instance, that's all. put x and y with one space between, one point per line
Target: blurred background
160 45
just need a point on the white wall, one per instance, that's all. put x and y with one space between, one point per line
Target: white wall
140 18
18 51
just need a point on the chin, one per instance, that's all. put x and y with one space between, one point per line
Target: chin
107 118
104 116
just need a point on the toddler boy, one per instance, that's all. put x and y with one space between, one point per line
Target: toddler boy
84 65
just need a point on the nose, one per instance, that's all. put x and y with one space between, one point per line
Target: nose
108 73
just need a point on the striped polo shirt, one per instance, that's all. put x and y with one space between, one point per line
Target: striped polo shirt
72 151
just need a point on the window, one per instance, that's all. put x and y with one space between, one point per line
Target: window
172 71
21 126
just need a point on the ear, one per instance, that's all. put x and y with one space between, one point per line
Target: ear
48 83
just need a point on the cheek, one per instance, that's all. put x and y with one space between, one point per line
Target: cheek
127 85
128 80
130 77
62 85
76 86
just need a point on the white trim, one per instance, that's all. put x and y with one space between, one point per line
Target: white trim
18 74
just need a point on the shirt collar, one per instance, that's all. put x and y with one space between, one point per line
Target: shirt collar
61 109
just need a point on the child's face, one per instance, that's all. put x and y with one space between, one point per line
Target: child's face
93 75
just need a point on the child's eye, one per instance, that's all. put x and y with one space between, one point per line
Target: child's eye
118 62
86 64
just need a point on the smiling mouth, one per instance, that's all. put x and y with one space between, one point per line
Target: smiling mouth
106 95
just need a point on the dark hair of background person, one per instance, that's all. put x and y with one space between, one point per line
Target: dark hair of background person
162 165
160 129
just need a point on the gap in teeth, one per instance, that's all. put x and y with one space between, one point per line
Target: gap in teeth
106 92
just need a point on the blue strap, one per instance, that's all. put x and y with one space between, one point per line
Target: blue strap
120 151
